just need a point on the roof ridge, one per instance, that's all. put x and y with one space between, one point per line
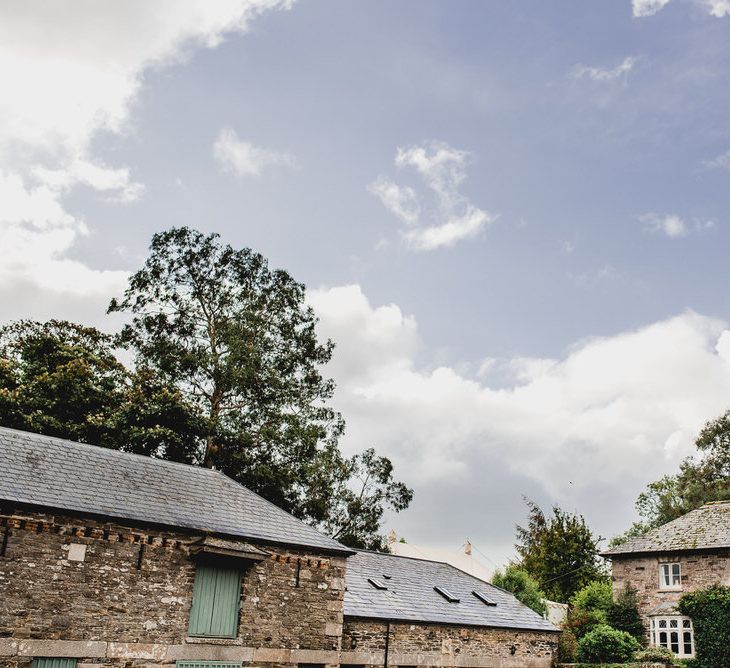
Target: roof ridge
97 448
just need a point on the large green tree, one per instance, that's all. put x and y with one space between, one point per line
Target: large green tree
62 379
560 551
238 340
703 478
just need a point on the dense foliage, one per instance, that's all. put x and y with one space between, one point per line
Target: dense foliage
559 551
710 613
604 644
567 647
623 614
699 480
596 595
655 654
522 585
62 379
227 374
588 608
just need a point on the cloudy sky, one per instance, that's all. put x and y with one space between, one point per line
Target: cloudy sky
512 216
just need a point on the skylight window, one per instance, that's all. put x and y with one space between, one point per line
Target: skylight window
446 594
484 598
377 583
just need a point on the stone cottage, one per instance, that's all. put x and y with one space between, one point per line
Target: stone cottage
401 611
110 559
689 553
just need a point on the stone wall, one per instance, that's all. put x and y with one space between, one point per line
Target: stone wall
128 602
699 570
363 644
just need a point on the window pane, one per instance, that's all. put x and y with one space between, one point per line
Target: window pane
674 637
662 623
687 639
663 639
673 623
686 623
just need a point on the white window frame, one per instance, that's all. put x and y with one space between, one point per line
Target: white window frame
662 632
670 575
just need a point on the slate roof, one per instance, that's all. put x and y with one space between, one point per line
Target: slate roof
410 594
705 528
64 475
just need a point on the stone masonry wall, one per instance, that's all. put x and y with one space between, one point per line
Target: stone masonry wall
363 644
699 570
128 602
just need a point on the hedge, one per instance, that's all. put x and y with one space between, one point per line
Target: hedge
709 610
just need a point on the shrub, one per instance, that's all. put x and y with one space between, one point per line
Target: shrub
567 647
655 655
604 644
624 615
710 613
523 586
581 622
596 595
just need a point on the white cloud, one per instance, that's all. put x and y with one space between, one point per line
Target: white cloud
721 161
647 7
618 410
671 225
717 8
242 158
442 169
605 74
674 226
402 201
69 73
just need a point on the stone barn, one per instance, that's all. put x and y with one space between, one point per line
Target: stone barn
113 560
402 611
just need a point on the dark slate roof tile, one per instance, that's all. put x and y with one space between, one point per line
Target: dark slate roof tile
411 597
65 475
705 528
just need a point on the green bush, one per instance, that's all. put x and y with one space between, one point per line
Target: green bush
710 613
581 622
567 647
604 644
596 595
523 586
624 615
655 655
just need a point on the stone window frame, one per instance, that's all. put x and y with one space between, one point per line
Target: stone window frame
666 625
666 571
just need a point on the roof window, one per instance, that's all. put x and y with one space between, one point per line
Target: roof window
446 594
484 598
377 583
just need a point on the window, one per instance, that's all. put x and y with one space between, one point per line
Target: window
484 598
675 634
377 583
670 576
216 601
446 594
54 663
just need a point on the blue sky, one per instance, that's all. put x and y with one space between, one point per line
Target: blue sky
512 217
